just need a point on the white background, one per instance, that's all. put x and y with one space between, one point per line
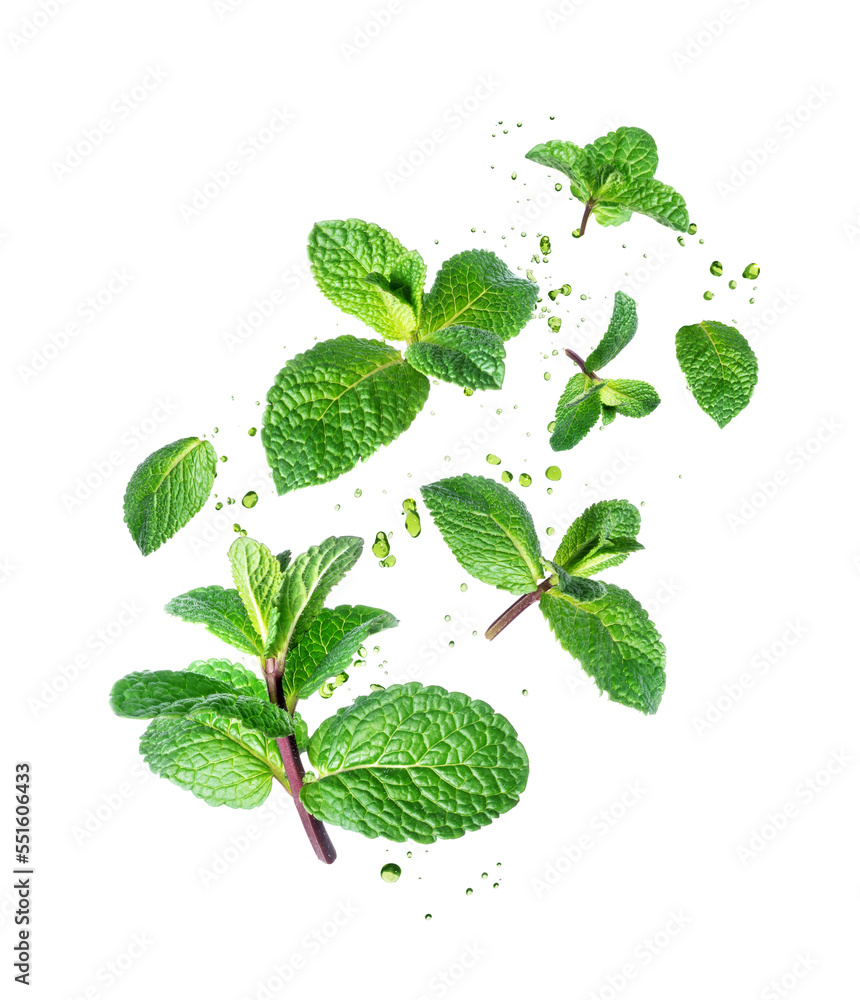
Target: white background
728 572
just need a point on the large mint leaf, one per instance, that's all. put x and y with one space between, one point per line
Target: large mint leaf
167 489
651 197
223 614
488 529
603 535
218 759
720 367
368 273
258 578
475 288
463 355
308 581
415 762
148 694
629 397
572 160
621 330
335 404
577 412
328 645
615 642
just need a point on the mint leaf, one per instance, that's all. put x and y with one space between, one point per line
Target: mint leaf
367 273
577 412
607 414
488 529
475 288
621 330
236 677
615 642
614 177
167 489
216 758
628 397
720 367
335 404
463 355
307 583
223 614
258 578
415 762
603 535
328 645
578 587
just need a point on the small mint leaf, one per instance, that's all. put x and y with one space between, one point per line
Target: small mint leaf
621 330
223 614
258 578
463 355
577 412
603 535
629 397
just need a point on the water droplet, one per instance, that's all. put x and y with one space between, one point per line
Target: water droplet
546 376
554 323
507 476
733 284
566 289
716 268
409 854
337 506
553 293
525 693
357 493
692 229
215 431
252 431
223 458
549 490
494 460
468 892
376 687
468 392
359 663
428 916
250 499
553 473
326 690
558 186
341 678
484 875
464 587
551 426
583 296
545 245
708 296
576 233
380 547
495 885
413 519
681 241
752 271
525 479
219 505
513 178
390 872
387 563
550 530
752 302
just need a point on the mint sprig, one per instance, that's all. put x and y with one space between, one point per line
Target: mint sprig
601 625
614 177
587 396
407 762
339 402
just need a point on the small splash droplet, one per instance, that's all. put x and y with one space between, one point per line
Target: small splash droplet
566 289
553 473
337 506
464 587
681 241
545 245
468 392
223 458
692 229
507 476
252 431
708 296
576 233
752 271
219 505
525 479
558 186
525 693
752 302
554 323
380 547
495 885
716 268
546 376
357 493
250 499
428 916
550 530
493 460
390 872
387 563
551 426
376 687
514 175
409 854
326 690
733 284
468 892
484 875
413 518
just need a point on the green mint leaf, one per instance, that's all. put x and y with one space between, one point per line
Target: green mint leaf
614 177
720 367
223 614
329 644
216 758
258 578
578 587
237 678
415 762
628 397
167 489
607 414
335 404
488 529
615 642
475 288
345 254
603 535
622 327
577 412
148 694
307 583
463 355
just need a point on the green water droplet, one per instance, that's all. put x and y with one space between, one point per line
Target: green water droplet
428 916
341 678
507 476
250 499
553 473
525 479
553 293
387 563
549 490
326 690
219 505
252 431
525 693
484 875
464 587
447 618
409 854
716 268
413 519
468 892
514 175
468 392
357 493
337 506
215 431
380 547
550 530
376 687
752 271
752 302
733 284
708 296
493 460
559 186
554 323
359 663
566 289
545 245
692 229
551 426
583 296
681 241
495 885
223 458
390 872
546 376
576 233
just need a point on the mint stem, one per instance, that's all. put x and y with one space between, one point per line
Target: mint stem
588 207
294 769
516 609
575 357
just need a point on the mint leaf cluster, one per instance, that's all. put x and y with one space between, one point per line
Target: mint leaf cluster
613 177
587 397
407 762
493 537
343 399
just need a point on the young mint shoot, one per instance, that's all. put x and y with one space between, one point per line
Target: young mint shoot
613 177
493 537
407 762
339 402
